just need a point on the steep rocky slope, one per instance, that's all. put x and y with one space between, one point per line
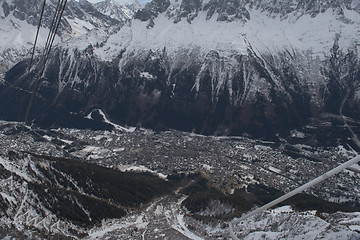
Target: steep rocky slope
214 67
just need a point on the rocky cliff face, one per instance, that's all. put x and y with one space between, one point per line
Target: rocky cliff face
19 20
29 11
214 67
121 12
235 10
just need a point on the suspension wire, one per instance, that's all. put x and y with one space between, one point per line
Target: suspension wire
50 40
56 29
293 193
32 58
52 28
37 34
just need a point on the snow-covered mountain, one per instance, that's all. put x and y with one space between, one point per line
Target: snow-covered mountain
19 20
116 10
223 67
268 26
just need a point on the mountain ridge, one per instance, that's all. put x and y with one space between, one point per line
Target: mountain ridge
259 73
121 12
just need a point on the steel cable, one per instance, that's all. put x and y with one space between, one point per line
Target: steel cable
49 43
37 34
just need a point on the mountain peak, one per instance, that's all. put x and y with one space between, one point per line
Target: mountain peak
239 10
121 10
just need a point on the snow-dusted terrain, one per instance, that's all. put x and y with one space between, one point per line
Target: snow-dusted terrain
165 217
17 41
164 220
268 32
284 223
307 34
122 11
18 25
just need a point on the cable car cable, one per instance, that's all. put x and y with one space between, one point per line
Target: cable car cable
51 37
37 34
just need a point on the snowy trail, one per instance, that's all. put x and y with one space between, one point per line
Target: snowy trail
163 218
18 212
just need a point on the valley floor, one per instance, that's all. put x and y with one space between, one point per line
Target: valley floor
229 163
